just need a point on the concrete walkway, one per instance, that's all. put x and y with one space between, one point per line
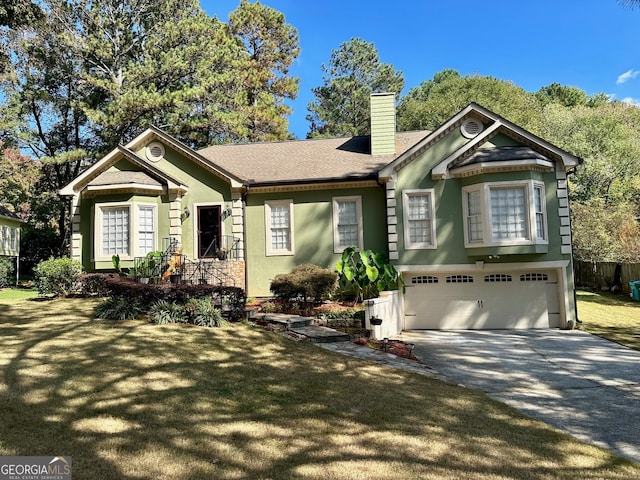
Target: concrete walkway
579 383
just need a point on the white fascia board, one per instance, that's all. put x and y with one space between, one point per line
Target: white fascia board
195 156
486 166
441 170
569 160
389 170
93 171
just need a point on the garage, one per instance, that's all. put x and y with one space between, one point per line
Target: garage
482 300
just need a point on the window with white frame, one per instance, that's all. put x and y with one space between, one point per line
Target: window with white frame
5 237
146 229
279 223
13 239
347 223
539 203
504 213
125 229
114 232
419 219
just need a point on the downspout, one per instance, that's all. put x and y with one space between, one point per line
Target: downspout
575 295
244 237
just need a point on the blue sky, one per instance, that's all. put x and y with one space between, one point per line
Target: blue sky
590 44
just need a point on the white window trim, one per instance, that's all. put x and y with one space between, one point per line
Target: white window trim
5 238
134 208
408 245
154 209
485 212
336 216
270 251
13 239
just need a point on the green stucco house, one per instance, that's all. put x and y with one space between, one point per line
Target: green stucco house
474 214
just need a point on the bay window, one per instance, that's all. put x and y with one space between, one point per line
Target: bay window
504 213
124 229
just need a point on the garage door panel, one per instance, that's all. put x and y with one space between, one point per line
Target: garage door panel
482 301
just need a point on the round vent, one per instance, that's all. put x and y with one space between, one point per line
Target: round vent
471 127
155 151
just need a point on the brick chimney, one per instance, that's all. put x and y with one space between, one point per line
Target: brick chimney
383 123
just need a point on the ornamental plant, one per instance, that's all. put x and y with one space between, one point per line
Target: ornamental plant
366 273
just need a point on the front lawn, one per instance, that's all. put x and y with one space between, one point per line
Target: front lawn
134 400
17 294
614 317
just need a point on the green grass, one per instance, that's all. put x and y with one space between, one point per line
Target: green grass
134 400
614 317
17 294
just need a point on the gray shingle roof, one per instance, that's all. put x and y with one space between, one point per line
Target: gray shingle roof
124 177
6 213
306 160
499 154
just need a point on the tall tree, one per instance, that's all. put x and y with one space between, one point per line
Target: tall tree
269 48
435 101
354 72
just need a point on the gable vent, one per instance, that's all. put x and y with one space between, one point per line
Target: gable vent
155 151
471 127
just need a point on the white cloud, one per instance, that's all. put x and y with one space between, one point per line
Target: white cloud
626 76
631 101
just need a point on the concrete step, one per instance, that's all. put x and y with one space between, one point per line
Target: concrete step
288 321
321 334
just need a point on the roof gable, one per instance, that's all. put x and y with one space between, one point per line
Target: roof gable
151 171
542 153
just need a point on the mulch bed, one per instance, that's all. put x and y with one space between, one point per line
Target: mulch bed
395 347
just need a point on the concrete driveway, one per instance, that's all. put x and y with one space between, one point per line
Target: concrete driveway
579 383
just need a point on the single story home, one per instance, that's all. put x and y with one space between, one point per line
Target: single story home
475 214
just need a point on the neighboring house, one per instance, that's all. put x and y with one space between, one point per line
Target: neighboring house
474 214
10 225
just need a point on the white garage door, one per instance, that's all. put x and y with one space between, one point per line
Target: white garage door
482 300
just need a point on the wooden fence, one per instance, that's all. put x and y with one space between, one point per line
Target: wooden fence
601 275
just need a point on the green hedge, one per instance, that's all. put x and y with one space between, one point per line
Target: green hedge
56 276
232 299
7 273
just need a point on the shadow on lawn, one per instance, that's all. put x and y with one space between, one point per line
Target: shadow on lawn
142 401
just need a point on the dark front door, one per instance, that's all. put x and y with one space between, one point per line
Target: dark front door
208 231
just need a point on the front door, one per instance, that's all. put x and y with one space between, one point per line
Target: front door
208 231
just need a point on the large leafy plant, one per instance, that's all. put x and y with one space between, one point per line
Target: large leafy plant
366 273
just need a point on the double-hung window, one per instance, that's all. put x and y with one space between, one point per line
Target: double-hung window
279 231
146 229
5 237
504 213
347 223
419 219
13 239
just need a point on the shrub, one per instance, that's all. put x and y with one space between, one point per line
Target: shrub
146 295
91 284
56 275
7 277
305 282
163 312
202 312
351 312
118 308
199 312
